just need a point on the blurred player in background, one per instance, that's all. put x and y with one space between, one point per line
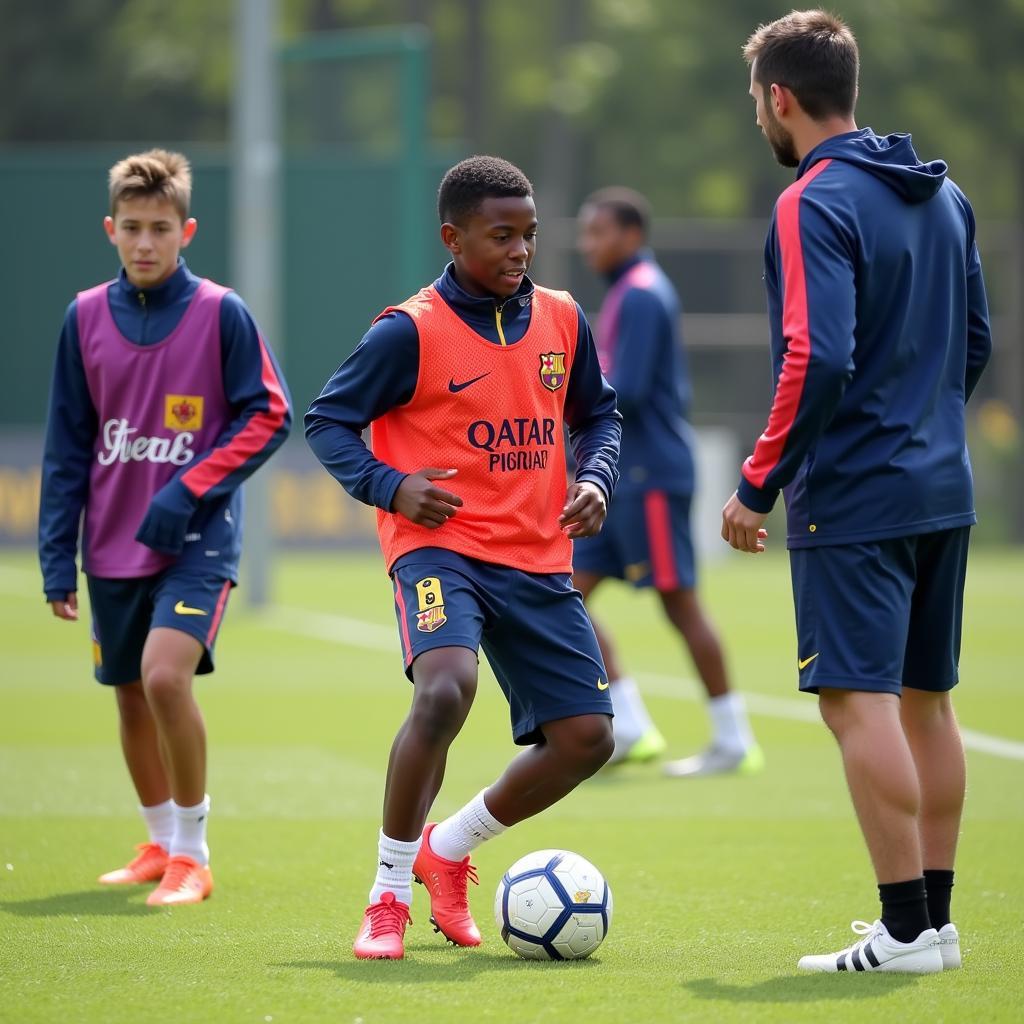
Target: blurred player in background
647 539
478 373
879 334
164 399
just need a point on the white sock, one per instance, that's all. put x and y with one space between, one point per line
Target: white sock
159 820
190 831
729 718
394 869
631 719
465 830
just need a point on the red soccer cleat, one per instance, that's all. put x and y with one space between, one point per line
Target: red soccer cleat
184 881
148 866
446 881
382 933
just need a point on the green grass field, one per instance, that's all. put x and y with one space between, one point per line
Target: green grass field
720 885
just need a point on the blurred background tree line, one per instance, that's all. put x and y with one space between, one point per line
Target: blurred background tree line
579 92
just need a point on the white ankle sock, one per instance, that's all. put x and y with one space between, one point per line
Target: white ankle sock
465 830
159 819
631 719
190 831
394 869
729 718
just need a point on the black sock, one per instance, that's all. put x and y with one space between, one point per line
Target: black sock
904 909
940 888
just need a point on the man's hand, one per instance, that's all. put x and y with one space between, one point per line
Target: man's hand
585 510
424 504
741 526
166 521
66 609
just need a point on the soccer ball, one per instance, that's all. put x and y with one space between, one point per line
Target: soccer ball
553 905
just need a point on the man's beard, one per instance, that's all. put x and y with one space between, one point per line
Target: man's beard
780 140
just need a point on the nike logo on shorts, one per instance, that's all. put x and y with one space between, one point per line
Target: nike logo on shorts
803 663
601 685
456 388
183 609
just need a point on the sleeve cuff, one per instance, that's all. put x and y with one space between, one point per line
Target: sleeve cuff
59 594
598 480
757 499
386 487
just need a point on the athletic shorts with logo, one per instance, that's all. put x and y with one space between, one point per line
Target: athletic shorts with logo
881 615
125 610
532 626
645 541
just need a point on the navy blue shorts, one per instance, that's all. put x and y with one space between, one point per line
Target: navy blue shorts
881 615
125 610
532 626
645 541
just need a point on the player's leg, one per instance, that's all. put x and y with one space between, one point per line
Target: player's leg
619 551
440 620
187 612
545 656
853 611
931 670
733 747
120 620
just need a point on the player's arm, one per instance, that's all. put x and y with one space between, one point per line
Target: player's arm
379 375
641 322
256 391
71 425
816 270
595 429
979 329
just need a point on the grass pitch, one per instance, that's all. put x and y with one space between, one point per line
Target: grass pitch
719 884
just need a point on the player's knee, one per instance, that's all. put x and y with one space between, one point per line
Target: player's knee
132 706
441 704
165 685
588 744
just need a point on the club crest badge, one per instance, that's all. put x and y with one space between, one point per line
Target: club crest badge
430 599
183 412
552 370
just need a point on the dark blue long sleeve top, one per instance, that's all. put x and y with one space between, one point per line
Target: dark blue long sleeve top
381 373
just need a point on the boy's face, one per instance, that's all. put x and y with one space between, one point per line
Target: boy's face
494 248
149 234
602 241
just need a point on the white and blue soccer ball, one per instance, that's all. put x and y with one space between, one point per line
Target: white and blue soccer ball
553 905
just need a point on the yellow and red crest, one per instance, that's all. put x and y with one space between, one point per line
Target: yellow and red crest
183 412
552 370
430 598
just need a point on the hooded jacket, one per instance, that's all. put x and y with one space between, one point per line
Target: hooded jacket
879 333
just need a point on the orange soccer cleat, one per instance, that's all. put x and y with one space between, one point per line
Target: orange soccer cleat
184 881
447 882
382 933
147 866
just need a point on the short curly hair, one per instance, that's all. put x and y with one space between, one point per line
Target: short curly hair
157 172
466 185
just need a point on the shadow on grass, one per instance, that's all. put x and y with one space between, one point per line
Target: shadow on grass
801 988
89 903
428 968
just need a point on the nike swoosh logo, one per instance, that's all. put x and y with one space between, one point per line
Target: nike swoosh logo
806 661
456 388
183 609
601 685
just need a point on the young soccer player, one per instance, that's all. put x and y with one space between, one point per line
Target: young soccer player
165 398
646 540
476 374
879 331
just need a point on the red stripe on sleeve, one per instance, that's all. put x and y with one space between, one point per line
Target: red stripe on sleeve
250 440
659 539
403 622
795 329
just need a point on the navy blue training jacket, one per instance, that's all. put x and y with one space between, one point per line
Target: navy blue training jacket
879 333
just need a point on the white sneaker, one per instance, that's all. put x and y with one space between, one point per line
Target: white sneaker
717 761
949 947
879 951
